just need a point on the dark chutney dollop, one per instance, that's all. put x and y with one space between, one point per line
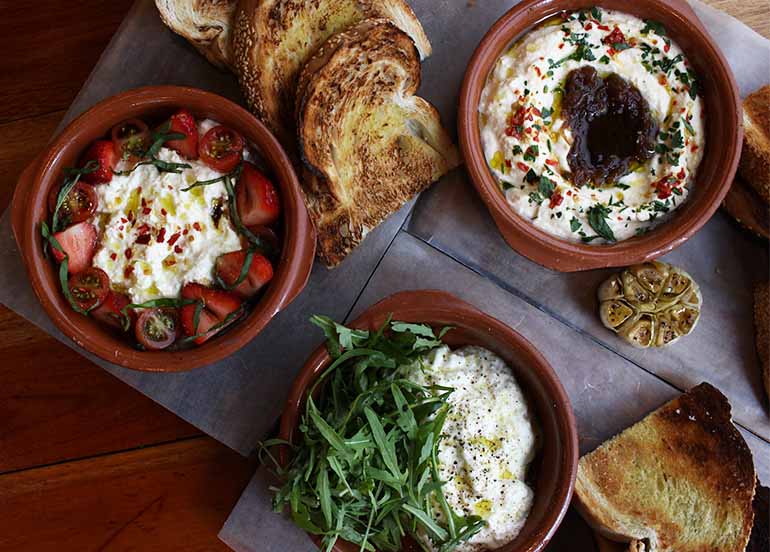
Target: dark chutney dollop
611 125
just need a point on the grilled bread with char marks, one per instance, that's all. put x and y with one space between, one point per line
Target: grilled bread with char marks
371 143
681 480
273 39
205 24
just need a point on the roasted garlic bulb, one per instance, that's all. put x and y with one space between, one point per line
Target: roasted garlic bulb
651 304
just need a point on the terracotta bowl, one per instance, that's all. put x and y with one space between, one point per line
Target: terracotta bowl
555 467
724 136
154 102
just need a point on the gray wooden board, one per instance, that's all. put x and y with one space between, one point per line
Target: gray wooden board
608 392
723 260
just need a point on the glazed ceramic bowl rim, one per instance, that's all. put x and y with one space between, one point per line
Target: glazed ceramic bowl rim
292 270
559 254
405 304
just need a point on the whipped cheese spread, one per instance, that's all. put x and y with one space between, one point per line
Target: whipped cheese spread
526 139
155 237
488 441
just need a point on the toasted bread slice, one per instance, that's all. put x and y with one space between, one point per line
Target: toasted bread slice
762 325
369 140
205 23
755 159
273 39
681 480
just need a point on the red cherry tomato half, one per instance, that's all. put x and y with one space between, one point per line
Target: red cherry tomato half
131 139
110 312
79 205
89 288
221 149
157 328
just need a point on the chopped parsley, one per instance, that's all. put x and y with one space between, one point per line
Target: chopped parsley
597 219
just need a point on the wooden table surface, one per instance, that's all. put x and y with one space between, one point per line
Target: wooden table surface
86 462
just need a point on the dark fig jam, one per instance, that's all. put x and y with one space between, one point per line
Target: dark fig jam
611 125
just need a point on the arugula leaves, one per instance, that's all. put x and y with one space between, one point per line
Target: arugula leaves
364 467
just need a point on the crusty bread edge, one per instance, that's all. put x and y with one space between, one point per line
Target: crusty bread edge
754 165
590 503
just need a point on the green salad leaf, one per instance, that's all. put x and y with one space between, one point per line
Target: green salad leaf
364 463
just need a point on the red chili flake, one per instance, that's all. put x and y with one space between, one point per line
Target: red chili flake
146 211
197 226
522 167
173 238
144 239
528 130
694 148
144 203
664 186
603 27
177 249
552 162
620 218
129 253
556 200
561 45
589 26
662 79
667 47
516 122
185 231
508 163
536 111
143 229
130 215
161 235
682 110
114 256
569 193
170 187
120 227
615 37
538 71
681 175
123 220
163 212
128 271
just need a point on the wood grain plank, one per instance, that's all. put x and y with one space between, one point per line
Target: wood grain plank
55 405
751 12
169 497
22 140
49 49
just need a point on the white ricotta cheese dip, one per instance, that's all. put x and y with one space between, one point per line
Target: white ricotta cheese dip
526 139
488 441
154 237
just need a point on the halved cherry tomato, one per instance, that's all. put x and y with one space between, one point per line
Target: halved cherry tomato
131 139
157 328
221 149
183 122
79 205
110 311
89 288
257 199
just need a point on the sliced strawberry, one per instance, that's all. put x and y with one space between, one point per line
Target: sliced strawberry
103 152
217 306
79 243
267 235
183 122
229 269
110 311
258 201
